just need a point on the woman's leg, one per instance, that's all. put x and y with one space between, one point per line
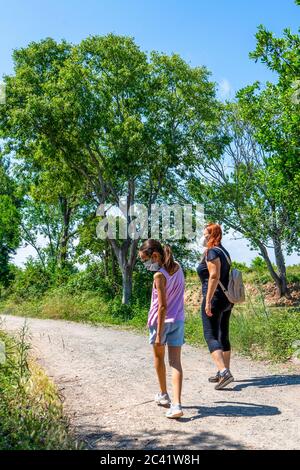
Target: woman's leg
160 367
224 336
226 357
218 359
211 327
174 353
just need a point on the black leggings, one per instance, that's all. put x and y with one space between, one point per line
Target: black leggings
216 328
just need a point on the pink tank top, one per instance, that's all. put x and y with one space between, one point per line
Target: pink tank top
174 297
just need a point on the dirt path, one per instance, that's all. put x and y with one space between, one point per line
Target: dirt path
107 381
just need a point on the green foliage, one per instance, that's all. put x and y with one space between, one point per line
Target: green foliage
140 310
253 188
293 273
142 286
9 222
30 410
31 281
264 336
241 266
256 330
193 332
89 118
120 311
258 264
274 113
35 279
283 330
93 279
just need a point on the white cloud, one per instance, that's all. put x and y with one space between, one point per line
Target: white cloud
225 88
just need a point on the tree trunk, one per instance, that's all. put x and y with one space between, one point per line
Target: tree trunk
126 284
62 255
113 263
280 281
126 253
64 239
126 256
106 257
280 263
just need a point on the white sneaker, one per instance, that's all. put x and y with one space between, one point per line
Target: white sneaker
174 412
162 399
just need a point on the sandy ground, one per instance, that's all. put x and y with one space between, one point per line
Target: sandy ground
107 382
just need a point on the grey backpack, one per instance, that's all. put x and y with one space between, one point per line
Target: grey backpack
235 292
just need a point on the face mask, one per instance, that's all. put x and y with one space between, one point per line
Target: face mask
151 266
203 241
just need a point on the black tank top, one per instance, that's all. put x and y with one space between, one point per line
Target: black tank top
203 273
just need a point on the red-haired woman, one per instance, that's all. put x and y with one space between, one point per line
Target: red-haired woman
215 307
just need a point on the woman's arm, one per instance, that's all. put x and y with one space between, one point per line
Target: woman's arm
214 269
160 282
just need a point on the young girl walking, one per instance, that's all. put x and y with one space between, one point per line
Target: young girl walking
166 320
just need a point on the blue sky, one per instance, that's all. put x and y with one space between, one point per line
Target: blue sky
217 33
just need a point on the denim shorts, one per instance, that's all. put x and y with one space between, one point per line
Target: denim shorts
173 334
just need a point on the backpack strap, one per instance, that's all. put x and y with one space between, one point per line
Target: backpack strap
228 261
227 258
222 287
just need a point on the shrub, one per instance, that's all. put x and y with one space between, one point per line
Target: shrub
258 264
30 410
141 287
283 329
31 281
120 311
266 335
93 279
241 266
293 273
140 314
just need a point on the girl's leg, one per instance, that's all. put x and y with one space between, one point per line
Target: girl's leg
160 367
174 353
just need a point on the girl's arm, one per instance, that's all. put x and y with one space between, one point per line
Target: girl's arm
214 269
160 282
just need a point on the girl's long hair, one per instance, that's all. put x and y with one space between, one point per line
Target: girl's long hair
151 245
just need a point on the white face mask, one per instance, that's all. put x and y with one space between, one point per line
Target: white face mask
151 266
203 241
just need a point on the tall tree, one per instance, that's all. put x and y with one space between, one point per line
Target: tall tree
9 222
275 109
244 191
125 124
254 187
51 210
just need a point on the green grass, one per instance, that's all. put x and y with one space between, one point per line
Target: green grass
262 276
266 337
31 415
257 331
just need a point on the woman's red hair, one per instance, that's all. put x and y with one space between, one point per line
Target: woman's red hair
215 234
